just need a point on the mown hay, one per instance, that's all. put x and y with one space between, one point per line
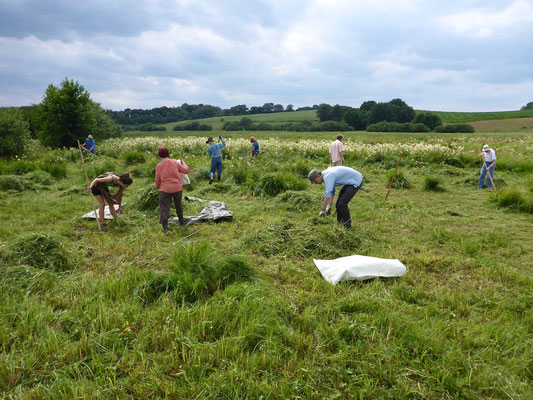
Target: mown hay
14 183
41 250
148 199
296 200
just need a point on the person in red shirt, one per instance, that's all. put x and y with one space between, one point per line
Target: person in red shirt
168 181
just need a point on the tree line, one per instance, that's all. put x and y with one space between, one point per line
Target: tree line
162 115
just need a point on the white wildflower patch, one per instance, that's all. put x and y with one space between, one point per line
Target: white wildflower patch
194 144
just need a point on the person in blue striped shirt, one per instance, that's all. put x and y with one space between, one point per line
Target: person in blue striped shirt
350 180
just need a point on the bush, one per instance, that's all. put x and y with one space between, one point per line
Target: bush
193 126
14 183
149 127
400 181
455 128
134 157
41 250
428 119
511 198
433 184
274 184
385 126
14 133
331 126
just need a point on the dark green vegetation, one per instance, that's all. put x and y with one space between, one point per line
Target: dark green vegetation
14 133
67 114
238 309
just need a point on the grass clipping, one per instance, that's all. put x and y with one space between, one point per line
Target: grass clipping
39 250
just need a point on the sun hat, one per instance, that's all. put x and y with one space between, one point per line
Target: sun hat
313 174
210 140
339 137
163 152
90 136
486 147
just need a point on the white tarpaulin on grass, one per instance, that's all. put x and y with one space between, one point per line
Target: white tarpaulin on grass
359 268
107 213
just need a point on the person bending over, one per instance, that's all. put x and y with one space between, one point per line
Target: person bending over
350 180
100 189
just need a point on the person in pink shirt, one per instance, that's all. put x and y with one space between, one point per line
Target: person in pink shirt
336 152
168 181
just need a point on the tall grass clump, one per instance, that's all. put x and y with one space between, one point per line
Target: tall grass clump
54 168
99 166
18 167
400 181
432 183
41 250
196 272
509 197
134 157
274 184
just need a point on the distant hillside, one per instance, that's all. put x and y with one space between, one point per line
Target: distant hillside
453 117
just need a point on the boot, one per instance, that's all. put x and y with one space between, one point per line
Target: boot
165 228
212 178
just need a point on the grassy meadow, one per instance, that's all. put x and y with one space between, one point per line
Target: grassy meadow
237 310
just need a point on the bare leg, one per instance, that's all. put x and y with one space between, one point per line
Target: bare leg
101 209
113 211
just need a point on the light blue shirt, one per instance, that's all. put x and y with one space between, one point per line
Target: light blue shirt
215 149
340 176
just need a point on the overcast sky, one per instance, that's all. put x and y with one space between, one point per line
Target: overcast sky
454 55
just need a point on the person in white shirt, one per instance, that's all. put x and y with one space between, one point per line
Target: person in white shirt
336 152
489 161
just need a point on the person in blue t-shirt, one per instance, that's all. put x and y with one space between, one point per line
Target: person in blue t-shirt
254 151
350 180
215 152
90 144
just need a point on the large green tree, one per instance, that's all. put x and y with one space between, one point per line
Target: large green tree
67 114
14 133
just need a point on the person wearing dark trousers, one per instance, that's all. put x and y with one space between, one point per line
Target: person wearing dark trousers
350 180
168 181
215 152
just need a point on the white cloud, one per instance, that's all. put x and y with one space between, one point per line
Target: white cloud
481 22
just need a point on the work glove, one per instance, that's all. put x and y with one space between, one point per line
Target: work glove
322 213
328 210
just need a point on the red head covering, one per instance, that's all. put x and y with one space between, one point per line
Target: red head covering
163 152
252 139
